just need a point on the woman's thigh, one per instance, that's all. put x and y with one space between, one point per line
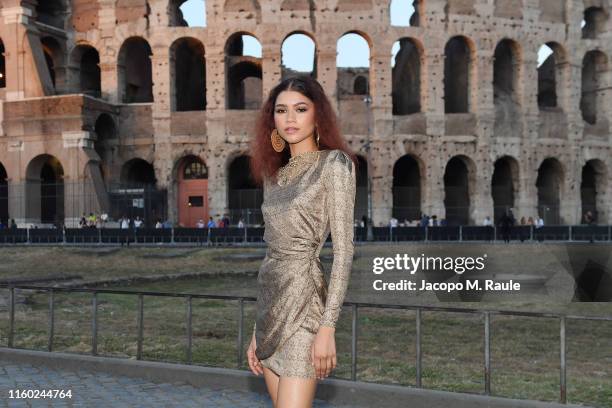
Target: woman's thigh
295 392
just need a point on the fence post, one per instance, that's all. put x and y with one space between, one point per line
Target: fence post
418 348
189 329
28 236
487 351
562 351
172 235
460 233
240 331
100 236
531 233
354 343
94 325
11 306
140 327
571 234
51 320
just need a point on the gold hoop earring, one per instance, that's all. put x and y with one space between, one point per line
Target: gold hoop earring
278 143
317 132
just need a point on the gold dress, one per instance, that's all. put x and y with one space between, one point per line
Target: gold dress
314 195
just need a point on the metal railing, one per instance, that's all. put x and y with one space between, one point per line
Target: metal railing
234 235
354 307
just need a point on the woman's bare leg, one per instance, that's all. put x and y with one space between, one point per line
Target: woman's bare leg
295 392
272 381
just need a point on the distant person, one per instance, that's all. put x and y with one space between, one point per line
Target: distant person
137 222
13 224
159 224
200 223
211 223
124 222
487 222
240 223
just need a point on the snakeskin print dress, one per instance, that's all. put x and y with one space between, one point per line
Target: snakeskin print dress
314 195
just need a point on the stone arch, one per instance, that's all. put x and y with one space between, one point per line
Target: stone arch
45 190
551 76
134 70
358 46
594 68
549 184
459 187
188 68
244 196
294 48
593 190
137 172
407 188
506 94
406 77
85 59
504 185
241 6
243 74
595 20
458 68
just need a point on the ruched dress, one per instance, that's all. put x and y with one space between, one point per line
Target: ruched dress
313 196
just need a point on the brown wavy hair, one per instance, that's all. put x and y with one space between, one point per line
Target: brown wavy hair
263 159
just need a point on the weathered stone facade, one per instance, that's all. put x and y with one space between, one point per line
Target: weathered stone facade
95 90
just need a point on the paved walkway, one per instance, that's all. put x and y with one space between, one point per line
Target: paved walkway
98 389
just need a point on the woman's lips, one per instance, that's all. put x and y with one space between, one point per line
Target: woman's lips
291 130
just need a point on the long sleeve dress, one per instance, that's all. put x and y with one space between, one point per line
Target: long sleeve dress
313 196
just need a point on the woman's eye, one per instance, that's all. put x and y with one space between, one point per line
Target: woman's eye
279 111
302 109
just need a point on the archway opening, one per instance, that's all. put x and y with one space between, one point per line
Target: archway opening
407 189
549 184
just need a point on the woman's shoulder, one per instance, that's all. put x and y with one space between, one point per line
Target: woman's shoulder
337 157
338 162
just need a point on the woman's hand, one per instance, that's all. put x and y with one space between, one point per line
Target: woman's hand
323 351
254 363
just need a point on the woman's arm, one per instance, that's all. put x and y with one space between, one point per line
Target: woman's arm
340 185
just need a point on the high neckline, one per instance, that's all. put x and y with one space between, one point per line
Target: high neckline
304 155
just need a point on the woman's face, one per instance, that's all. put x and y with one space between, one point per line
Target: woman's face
294 116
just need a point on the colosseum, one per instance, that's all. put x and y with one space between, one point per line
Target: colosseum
120 106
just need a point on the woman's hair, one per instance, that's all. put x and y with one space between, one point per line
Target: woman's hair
264 160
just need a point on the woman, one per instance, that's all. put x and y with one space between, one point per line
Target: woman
308 175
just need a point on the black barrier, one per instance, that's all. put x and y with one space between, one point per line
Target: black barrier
360 233
46 235
82 235
590 233
255 234
517 233
121 236
226 235
475 233
13 236
191 235
381 233
443 233
408 234
153 235
552 233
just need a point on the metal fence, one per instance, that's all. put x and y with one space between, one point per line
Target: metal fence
64 203
234 235
354 307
